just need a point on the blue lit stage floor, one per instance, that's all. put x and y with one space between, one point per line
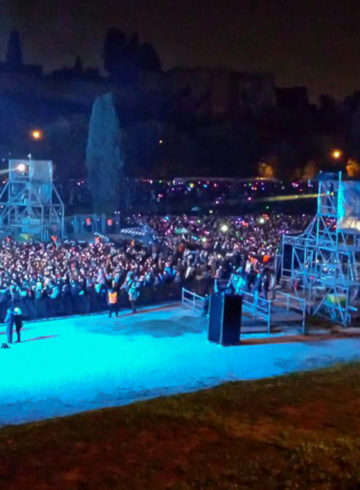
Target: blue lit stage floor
80 363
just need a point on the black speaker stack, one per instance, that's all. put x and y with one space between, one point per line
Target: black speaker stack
225 319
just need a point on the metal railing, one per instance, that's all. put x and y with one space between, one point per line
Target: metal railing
294 303
192 300
256 306
253 304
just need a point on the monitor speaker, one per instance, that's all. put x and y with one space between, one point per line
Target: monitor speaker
232 320
216 313
225 319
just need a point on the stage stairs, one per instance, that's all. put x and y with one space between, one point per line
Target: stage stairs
282 311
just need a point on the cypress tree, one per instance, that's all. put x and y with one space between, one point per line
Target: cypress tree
14 52
103 155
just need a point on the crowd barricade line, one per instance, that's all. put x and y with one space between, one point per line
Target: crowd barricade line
92 302
191 300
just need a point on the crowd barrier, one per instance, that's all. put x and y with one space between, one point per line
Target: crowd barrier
293 303
93 302
191 300
257 307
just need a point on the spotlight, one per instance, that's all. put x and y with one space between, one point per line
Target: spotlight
21 167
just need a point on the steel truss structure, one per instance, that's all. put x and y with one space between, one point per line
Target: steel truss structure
30 203
322 264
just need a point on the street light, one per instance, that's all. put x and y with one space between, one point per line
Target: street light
336 154
36 134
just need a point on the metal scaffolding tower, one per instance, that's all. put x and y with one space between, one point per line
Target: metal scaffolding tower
30 203
322 264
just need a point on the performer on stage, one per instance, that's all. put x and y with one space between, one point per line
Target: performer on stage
112 300
10 320
133 293
18 321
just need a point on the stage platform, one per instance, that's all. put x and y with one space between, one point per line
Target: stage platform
80 363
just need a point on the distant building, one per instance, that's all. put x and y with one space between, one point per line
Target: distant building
75 84
293 97
225 91
34 70
353 101
14 61
77 72
200 92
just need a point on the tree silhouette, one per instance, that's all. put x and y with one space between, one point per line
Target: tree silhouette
14 52
78 66
103 156
123 58
115 54
149 59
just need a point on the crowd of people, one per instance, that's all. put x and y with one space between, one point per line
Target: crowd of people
156 195
213 192
186 248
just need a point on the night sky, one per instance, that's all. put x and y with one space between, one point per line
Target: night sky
302 42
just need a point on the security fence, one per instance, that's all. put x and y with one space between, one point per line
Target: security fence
192 300
92 302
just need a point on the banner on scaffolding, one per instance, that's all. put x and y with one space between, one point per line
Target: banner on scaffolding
336 300
349 205
41 176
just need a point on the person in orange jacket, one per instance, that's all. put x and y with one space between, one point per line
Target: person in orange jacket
112 300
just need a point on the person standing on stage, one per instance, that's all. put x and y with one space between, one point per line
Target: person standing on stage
133 293
112 300
18 318
10 320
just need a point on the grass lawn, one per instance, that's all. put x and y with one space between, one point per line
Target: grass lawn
299 431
